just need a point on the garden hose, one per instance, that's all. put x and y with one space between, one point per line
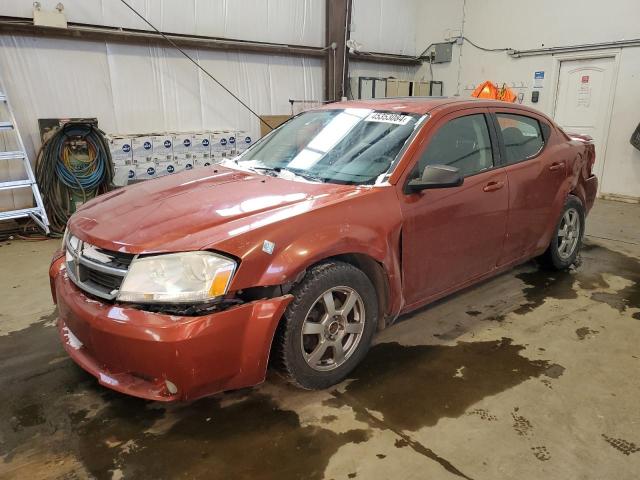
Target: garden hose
63 176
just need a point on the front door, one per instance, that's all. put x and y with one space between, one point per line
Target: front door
583 101
453 235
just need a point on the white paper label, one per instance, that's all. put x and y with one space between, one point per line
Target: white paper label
383 117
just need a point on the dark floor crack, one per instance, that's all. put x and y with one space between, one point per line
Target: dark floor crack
418 447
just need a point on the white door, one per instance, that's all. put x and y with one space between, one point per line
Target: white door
583 101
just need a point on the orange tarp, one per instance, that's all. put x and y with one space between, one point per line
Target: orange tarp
489 89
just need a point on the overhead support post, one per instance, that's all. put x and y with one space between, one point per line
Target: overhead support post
338 20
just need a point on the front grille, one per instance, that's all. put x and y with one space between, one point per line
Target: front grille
106 280
95 270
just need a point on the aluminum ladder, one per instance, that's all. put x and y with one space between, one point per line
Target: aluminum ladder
37 213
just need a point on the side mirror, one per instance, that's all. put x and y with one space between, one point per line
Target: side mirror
435 176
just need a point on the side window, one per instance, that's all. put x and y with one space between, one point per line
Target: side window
522 136
462 143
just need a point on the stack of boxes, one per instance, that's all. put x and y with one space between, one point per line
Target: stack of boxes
163 154
201 149
145 167
142 157
122 158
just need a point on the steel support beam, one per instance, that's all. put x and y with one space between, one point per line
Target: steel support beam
338 18
390 58
24 26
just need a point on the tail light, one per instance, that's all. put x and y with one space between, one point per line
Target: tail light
591 161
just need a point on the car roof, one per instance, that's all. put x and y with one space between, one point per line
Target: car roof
422 105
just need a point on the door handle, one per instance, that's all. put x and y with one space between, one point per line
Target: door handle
493 186
556 166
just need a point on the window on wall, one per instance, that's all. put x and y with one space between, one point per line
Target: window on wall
462 143
521 135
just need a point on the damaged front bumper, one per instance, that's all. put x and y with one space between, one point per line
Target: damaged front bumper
165 357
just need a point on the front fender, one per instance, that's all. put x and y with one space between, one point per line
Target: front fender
367 224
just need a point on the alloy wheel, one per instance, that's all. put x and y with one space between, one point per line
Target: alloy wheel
569 233
333 328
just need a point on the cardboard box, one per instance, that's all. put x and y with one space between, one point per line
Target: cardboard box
166 167
123 174
162 148
201 145
146 170
220 146
272 121
184 164
121 150
181 146
142 149
243 141
202 162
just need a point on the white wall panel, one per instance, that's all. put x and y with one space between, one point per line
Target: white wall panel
387 26
282 21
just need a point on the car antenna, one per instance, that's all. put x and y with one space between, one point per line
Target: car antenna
174 45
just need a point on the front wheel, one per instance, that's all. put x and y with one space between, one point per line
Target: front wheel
328 328
567 238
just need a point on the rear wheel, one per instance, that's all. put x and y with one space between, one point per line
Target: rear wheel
567 239
328 328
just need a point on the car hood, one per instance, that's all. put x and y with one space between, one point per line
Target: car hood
196 209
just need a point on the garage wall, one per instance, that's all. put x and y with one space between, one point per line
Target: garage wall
406 27
387 26
282 21
139 89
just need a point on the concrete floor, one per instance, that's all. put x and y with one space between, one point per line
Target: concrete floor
530 375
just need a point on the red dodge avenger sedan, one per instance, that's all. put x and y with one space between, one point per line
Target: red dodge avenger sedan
321 234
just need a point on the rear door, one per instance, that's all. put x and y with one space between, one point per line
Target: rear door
452 235
536 169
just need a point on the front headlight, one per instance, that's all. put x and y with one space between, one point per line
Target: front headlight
177 278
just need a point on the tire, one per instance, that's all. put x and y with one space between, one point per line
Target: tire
570 226
312 360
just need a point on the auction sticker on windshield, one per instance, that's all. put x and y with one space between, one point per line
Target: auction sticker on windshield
395 118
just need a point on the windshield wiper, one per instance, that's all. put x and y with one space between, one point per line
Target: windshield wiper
271 171
307 176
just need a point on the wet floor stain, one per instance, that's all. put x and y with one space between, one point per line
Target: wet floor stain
554 371
251 438
541 453
623 446
521 424
328 418
27 416
116 435
585 332
483 414
415 386
542 284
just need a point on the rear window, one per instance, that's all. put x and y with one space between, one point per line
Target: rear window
522 136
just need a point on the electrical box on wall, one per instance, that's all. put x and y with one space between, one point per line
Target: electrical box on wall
441 53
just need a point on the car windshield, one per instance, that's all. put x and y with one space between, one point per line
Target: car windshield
349 146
